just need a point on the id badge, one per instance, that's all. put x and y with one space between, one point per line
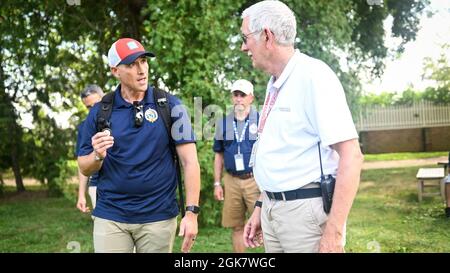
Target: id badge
252 162
239 161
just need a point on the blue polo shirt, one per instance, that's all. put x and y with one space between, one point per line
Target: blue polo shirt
93 179
225 141
137 182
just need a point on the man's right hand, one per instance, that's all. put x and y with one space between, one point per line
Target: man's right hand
218 193
102 141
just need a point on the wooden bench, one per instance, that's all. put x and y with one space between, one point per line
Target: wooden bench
430 174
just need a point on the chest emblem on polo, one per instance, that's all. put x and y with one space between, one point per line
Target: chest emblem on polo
151 115
253 128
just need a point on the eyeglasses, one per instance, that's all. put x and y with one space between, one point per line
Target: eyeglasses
138 114
245 36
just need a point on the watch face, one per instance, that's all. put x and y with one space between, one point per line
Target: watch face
194 209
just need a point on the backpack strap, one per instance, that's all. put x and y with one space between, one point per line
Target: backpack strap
104 113
164 111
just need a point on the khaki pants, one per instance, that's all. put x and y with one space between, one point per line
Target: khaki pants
293 226
240 197
110 236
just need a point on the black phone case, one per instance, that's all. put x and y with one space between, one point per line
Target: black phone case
327 186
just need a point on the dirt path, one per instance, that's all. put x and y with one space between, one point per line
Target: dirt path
32 181
404 163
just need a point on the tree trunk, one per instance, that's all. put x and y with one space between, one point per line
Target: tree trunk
14 130
16 169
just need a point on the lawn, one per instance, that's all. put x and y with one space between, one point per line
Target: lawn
386 217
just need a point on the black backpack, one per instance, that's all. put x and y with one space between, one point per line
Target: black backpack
163 109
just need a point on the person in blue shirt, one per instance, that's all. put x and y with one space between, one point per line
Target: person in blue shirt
136 190
447 188
233 142
89 96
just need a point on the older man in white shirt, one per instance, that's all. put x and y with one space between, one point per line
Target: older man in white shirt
305 132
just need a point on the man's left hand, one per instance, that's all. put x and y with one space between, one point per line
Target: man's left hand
188 229
331 241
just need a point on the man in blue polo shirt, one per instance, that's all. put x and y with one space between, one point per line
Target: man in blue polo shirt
137 182
90 96
233 144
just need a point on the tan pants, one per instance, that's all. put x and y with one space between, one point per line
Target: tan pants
293 226
240 197
110 236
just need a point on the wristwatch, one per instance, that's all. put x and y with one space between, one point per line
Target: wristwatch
97 158
258 204
193 209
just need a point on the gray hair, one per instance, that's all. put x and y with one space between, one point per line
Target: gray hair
91 89
274 15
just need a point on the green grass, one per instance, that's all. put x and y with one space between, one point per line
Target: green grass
35 223
402 156
386 213
386 216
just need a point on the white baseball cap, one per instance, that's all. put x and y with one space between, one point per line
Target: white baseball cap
244 86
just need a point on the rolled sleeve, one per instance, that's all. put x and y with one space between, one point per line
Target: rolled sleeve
88 130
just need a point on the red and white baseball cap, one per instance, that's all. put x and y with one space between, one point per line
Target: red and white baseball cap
126 51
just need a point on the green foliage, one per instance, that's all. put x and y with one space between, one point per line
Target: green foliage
437 71
2 186
47 148
212 209
408 97
329 29
61 185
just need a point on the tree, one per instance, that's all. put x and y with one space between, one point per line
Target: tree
438 71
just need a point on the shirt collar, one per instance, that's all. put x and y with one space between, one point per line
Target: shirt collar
287 71
121 102
232 117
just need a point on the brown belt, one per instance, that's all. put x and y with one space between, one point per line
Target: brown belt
243 176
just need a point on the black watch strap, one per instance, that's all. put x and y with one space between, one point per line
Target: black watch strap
258 204
193 209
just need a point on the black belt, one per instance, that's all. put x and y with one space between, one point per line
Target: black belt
295 194
243 175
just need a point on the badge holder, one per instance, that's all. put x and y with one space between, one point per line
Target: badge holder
239 160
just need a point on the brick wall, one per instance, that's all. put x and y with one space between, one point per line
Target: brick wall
438 139
406 140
